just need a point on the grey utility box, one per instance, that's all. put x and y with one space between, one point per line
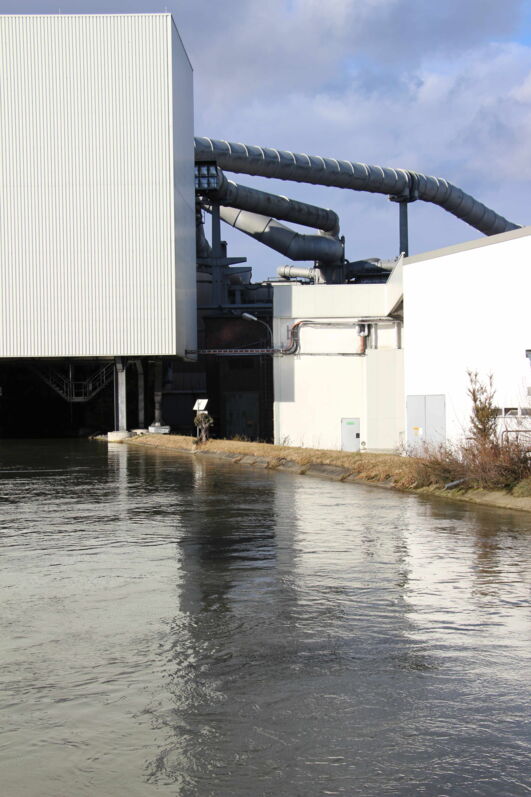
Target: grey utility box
350 434
426 419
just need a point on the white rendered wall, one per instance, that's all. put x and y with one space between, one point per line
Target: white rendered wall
95 240
469 310
385 397
325 382
312 394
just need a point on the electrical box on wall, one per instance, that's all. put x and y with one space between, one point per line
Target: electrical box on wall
350 434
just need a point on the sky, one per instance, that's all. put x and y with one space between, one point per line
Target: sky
440 88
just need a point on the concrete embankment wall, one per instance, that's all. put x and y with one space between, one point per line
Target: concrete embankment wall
378 470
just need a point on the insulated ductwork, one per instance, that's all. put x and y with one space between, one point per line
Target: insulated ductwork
296 272
360 269
233 195
322 248
202 247
400 183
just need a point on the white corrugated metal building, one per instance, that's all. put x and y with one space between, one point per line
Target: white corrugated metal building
97 232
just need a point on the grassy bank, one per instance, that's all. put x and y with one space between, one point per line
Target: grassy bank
390 470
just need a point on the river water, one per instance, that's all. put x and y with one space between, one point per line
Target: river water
177 626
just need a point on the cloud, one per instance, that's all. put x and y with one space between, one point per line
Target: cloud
304 45
443 88
469 122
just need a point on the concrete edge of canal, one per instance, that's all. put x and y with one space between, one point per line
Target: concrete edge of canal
378 470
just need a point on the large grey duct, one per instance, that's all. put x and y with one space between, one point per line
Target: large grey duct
402 183
234 195
296 272
202 247
269 231
356 269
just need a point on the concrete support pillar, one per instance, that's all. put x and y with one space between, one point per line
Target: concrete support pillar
158 426
218 260
121 394
120 402
141 393
158 394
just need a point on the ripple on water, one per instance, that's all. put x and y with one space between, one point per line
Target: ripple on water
172 626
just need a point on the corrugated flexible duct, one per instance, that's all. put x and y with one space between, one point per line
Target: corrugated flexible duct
234 195
267 162
323 248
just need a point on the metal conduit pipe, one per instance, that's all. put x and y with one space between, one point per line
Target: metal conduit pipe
400 183
295 272
234 195
293 344
277 236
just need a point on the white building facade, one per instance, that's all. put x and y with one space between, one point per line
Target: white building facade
97 231
342 388
467 308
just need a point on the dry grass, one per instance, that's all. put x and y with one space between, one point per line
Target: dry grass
411 473
401 471
479 465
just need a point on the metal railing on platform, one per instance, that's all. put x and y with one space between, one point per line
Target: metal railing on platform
76 390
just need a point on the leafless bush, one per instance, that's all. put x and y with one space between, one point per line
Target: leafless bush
484 413
491 466
497 464
482 460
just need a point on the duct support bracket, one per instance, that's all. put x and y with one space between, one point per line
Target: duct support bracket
410 194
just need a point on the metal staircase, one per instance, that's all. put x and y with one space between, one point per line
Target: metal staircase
76 390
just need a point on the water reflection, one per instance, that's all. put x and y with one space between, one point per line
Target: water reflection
187 627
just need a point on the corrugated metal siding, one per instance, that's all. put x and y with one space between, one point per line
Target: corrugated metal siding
184 187
86 187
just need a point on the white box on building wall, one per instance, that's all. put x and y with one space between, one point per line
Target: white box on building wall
97 223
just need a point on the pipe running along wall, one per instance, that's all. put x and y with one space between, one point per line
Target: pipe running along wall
293 345
322 248
400 183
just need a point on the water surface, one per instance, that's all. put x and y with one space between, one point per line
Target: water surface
176 626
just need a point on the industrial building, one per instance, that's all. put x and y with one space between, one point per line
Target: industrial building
97 226
342 388
466 309
120 305
386 367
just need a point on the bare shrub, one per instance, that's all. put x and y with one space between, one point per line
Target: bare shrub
491 462
495 465
203 421
436 465
484 413
491 466
482 460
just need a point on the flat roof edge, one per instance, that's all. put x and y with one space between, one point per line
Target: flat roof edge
477 243
90 14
